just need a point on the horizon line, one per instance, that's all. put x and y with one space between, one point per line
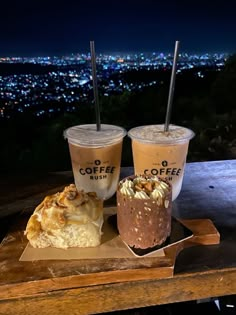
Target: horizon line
35 55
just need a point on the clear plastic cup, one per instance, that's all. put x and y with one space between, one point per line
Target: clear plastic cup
161 153
96 157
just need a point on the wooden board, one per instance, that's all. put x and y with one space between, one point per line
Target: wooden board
18 279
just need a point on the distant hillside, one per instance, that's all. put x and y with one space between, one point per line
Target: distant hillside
30 68
24 68
204 101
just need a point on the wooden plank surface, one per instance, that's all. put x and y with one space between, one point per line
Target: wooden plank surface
21 278
209 192
124 295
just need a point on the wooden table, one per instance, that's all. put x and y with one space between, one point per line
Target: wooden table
89 287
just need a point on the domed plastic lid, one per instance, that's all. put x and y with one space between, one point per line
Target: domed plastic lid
87 135
156 134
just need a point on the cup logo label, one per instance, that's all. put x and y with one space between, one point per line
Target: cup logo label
97 171
164 163
164 171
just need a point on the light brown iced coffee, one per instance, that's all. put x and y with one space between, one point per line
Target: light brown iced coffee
161 153
96 157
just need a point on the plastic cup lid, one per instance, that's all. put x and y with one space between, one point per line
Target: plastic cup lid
87 135
155 134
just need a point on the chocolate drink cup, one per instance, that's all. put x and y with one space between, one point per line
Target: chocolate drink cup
96 157
161 153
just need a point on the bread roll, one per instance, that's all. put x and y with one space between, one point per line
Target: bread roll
70 218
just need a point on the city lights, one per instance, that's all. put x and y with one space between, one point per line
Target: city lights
68 78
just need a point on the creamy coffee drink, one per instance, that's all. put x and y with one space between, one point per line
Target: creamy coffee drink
161 153
96 157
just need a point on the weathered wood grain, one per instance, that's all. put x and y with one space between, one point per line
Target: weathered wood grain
19 278
124 295
82 287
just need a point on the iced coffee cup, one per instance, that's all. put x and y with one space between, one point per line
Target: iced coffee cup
96 157
161 153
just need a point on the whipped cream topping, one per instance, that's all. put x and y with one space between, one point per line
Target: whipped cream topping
142 187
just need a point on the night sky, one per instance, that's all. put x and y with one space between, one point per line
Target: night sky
45 27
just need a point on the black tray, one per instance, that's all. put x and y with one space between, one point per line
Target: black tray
179 232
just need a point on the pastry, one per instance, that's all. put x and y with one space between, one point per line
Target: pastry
70 218
144 206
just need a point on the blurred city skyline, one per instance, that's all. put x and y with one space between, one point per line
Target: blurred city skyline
48 86
39 28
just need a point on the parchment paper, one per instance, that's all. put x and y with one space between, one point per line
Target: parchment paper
111 247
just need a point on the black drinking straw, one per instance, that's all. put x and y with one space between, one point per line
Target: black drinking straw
172 87
95 87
